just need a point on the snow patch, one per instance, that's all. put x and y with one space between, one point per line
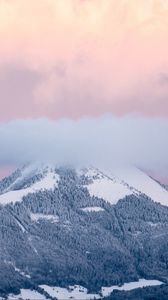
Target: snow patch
50 181
106 291
143 183
38 216
92 209
27 294
22 272
108 188
73 292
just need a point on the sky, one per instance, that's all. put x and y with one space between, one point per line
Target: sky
80 59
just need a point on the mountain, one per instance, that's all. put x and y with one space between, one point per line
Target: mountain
108 185
82 227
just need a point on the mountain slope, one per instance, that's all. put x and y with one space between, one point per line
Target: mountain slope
144 184
55 230
45 178
110 186
115 185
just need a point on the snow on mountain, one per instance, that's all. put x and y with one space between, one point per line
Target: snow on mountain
36 217
49 181
74 292
106 291
76 240
17 269
77 292
110 185
143 183
108 188
27 294
118 183
92 209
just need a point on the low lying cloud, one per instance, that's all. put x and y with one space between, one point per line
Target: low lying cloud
107 141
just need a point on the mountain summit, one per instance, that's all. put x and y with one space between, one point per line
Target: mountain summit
110 186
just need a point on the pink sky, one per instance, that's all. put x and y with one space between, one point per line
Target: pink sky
80 58
5 171
73 58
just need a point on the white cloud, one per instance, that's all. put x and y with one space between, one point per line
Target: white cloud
101 141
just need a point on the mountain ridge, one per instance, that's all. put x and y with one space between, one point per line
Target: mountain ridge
119 183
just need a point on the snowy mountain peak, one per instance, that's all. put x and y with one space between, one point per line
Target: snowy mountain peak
110 186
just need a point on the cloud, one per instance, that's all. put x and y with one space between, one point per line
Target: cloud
107 141
91 57
16 92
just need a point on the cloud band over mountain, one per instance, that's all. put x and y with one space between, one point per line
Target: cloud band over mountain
106 141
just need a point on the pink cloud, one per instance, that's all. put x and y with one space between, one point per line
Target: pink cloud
83 58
